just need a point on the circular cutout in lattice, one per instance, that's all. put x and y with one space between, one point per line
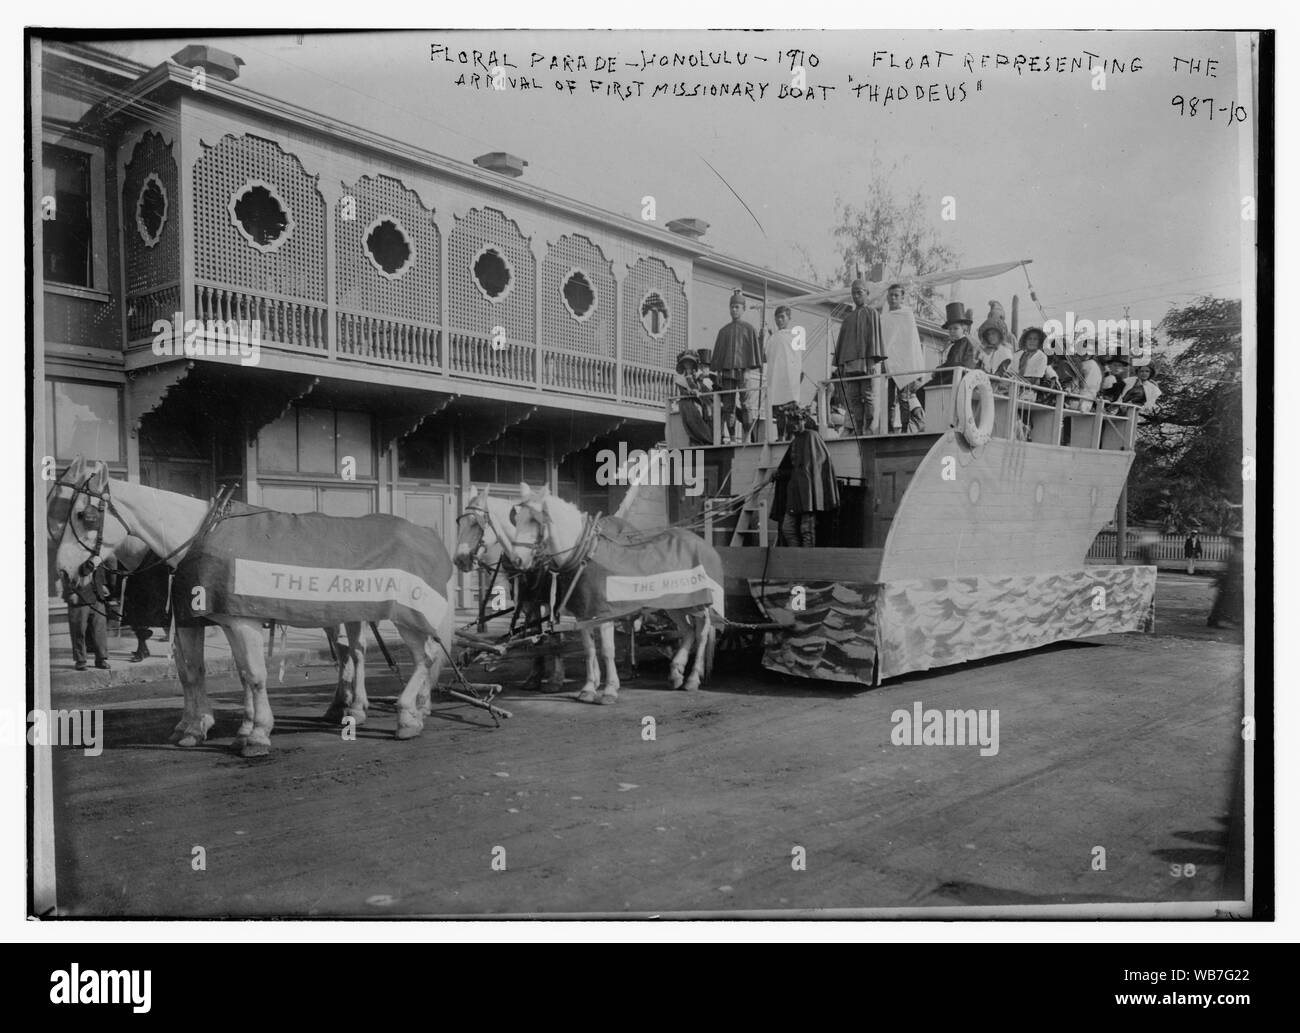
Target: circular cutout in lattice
655 316
493 274
579 295
151 210
260 215
388 247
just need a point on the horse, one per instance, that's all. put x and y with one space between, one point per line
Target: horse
555 532
484 534
350 698
85 517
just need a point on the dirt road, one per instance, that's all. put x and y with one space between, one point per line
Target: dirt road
758 793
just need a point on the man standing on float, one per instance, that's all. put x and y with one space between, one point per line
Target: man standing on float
858 351
737 362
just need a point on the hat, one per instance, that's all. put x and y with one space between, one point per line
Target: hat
1042 337
688 356
706 356
993 324
737 298
956 313
1119 359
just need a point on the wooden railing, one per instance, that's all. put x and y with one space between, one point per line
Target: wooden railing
283 321
1044 422
503 360
380 339
579 373
647 385
143 310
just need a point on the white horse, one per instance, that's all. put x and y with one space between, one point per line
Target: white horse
548 528
485 534
85 518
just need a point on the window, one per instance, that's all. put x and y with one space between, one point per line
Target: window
492 273
83 419
151 210
316 441
512 458
422 455
66 221
388 249
579 297
260 215
654 315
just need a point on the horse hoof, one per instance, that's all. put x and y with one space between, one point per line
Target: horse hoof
358 717
693 685
608 697
334 716
254 749
186 740
586 696
407 731
675 679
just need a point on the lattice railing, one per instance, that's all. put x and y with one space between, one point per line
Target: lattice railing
284 321
143 310
472 355
388 340
646 385
577 373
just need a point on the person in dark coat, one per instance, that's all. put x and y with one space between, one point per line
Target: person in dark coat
144 596
962 353
1192 551
805 486
859 349
737 360
88 605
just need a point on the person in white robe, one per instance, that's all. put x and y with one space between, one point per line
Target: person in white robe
904 361
784 372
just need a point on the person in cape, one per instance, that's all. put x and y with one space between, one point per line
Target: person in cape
859 350
995 351
903 361
804 486
737 361
695 404
1141 390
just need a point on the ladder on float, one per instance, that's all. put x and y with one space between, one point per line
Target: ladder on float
751 521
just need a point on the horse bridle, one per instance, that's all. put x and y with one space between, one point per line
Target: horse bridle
482 520
93 516
540 545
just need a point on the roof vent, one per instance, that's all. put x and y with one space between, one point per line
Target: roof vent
500 161
219 63
693 228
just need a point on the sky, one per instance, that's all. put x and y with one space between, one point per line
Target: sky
1119 197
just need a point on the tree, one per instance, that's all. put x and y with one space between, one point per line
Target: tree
899 235
1188 469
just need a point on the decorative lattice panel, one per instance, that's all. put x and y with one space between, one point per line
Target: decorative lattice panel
296 266
469 309
653 274
151 165
411 293
560 327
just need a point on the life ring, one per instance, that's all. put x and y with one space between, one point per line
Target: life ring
975 381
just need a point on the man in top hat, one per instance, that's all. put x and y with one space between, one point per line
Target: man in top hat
1112 384
737 361
961 351
697 408
859 350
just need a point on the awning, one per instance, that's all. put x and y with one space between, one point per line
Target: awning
875 291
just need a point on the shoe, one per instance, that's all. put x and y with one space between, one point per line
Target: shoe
140 654
81 665
102 665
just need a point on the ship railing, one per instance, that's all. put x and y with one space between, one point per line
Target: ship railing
1022 411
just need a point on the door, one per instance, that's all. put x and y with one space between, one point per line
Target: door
893 475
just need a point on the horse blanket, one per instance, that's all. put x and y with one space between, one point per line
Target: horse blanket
310 570
631 570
